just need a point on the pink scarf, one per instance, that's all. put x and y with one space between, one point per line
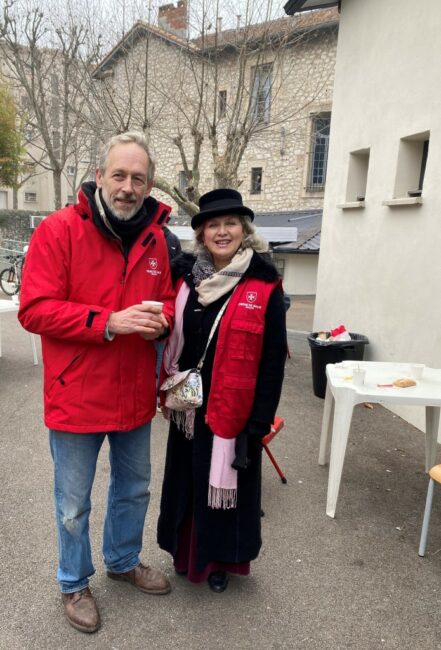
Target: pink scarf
175 342
222 489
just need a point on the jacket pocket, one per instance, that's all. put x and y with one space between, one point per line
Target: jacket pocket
244 340
234 405
63 375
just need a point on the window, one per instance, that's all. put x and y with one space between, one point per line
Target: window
318 159
424 155
222 104
70 170
30 197
280 266
35 220
357 175
70 198
256 180
29 133
29 167
54 85
411 168
261 92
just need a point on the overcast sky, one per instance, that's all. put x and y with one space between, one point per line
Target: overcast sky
111 18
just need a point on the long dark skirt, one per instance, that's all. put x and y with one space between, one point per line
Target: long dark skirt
187 527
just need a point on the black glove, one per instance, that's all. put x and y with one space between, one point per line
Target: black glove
256 430
252 434
241 448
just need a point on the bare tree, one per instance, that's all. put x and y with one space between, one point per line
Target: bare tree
202 96
44 61
219 92
11 151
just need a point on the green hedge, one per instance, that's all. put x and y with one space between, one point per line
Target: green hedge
8 214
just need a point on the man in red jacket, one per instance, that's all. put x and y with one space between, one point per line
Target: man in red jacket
90 272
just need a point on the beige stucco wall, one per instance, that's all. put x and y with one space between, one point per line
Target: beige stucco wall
39 180
379 266
300 273
41 184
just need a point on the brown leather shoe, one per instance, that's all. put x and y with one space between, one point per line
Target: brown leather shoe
81 610
144 578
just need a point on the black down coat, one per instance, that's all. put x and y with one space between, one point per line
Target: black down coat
221 535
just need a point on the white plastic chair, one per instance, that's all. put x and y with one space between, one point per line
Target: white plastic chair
12 306
435 475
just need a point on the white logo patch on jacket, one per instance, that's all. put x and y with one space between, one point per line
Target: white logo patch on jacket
153 267
251 297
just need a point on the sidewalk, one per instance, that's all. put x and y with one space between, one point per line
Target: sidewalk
355 582
300 315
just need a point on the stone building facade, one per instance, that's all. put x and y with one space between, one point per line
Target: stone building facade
284 164
275 170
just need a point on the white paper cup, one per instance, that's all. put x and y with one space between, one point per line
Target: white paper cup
358 375
416 370
153 303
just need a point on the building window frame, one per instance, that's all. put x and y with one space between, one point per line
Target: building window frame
256 180
424 156
279 263
261 85
413 151
222 104
356 185
319 149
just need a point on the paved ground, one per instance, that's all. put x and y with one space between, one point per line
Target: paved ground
354 582
300 315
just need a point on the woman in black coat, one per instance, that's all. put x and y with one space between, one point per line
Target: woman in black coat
212 529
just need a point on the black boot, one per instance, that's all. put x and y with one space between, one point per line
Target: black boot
218 581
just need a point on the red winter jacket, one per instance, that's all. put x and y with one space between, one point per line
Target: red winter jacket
74 277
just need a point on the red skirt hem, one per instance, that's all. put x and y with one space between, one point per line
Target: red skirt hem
185 559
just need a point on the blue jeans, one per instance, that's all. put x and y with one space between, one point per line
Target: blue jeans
75 457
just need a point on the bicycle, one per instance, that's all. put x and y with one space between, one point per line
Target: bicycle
10 277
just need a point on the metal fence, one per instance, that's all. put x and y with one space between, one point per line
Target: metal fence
11 248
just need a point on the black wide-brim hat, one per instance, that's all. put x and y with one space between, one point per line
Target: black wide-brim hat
218 203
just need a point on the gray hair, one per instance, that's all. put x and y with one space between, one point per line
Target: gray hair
131 137
251 238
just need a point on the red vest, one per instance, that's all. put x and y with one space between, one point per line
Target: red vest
237 358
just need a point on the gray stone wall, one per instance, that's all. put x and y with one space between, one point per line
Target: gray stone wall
303 83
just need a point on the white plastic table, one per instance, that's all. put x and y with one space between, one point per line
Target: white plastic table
342 395
10 306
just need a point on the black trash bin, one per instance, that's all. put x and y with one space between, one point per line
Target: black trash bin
324 353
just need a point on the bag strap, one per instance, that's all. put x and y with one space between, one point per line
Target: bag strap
213 329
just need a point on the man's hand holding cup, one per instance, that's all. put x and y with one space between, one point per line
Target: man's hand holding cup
145 319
